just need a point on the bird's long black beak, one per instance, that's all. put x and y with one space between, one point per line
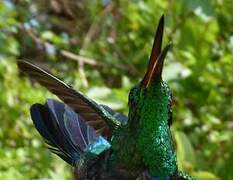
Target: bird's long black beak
155 67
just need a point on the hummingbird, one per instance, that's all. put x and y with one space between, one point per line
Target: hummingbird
103 144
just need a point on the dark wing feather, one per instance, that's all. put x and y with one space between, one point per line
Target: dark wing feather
41 116
95 115
74 127
66 132
120 117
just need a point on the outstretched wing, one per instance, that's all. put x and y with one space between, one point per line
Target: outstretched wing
66 132
95 115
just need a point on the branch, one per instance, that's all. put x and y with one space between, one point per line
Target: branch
77 57
95 25
80 59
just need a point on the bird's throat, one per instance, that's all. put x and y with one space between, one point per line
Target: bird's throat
154 137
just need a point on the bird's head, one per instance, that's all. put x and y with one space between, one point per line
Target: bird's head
152 95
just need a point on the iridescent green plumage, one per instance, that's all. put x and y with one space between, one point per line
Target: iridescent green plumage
160 155
146 140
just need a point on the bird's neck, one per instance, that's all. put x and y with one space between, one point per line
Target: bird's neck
155 143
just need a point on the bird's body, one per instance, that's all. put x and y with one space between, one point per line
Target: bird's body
146 139
103 144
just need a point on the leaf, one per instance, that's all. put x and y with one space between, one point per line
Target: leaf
106 96
98 92
185 152
204 175
175 71
204 6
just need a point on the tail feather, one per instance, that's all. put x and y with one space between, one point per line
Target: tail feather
57 112
39 114
66 132
73 125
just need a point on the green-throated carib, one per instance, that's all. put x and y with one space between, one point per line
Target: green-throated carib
103 144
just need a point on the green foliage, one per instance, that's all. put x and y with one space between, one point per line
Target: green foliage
118 35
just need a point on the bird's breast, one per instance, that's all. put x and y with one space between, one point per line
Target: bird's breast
125 154
156 147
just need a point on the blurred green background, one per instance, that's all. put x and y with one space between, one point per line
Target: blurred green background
101 47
